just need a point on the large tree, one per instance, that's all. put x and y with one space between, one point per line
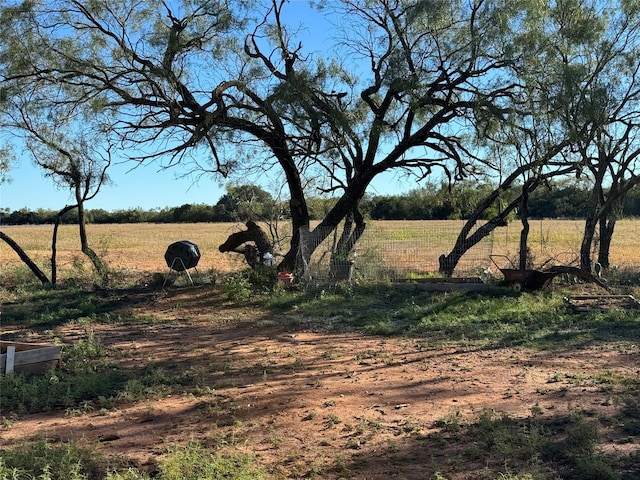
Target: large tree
578 116
602 89
229 86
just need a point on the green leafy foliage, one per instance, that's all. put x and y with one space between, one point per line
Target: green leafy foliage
43 460
195 462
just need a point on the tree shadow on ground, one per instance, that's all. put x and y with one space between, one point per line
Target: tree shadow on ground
495 318
240 364
498 446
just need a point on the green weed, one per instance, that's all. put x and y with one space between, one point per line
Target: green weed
196 462
46 461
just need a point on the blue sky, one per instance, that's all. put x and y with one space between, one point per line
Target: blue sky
145 187
148 187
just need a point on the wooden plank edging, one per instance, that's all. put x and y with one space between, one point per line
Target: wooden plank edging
24 355
11 359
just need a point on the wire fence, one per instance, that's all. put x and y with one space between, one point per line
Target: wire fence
558 242
394 251
399 250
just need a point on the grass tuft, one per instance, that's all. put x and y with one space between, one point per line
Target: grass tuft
43 460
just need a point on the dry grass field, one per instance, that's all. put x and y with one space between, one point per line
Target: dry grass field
141 247
131 247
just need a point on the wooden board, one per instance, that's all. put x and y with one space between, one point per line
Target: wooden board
440 280
601 303
27 357
444 284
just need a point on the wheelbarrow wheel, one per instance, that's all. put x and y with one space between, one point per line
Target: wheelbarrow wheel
517 287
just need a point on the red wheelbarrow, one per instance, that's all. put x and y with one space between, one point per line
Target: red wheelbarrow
524 279
527 279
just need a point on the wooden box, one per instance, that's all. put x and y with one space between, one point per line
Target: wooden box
29 358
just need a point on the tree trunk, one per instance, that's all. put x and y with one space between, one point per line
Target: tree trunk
606 234
54 243
25 258
587 242
354 227
341 263
524 233
603 211
465 240
297 206
345 205
299 220
594 213
607 227
276 140
98 264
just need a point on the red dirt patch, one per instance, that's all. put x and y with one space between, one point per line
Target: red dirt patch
308 403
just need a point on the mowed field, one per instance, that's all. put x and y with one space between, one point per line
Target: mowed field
141 247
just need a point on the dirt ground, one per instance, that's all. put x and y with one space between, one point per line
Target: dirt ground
310 401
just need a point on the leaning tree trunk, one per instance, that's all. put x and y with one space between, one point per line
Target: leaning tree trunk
346 204
25 258
353 228
466 240
98 264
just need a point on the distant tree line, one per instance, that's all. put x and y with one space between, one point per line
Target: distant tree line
567 200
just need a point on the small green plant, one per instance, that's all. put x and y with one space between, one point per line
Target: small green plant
451 422
263 279
536 411
44 460
341 466
410 426
297 364
354 443
195 462
7 422
81 356
310 416
330 354
237 288
367 425
331 420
